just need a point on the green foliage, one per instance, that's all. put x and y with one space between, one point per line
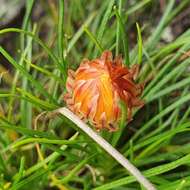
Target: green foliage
40 150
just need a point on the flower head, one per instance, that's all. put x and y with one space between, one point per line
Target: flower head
97 86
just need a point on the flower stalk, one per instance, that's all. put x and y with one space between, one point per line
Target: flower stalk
107 147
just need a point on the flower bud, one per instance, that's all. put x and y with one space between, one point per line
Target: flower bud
95 90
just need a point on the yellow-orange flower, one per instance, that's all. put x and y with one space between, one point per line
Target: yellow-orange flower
97 86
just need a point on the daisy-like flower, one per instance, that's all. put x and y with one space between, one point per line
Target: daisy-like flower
95 90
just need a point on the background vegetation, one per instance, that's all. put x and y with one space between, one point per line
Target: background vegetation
42 151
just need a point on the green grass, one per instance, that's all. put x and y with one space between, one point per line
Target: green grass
48 151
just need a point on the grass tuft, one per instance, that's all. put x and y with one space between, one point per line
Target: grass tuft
42 150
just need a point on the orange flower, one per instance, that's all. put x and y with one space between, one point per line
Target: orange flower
97 86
